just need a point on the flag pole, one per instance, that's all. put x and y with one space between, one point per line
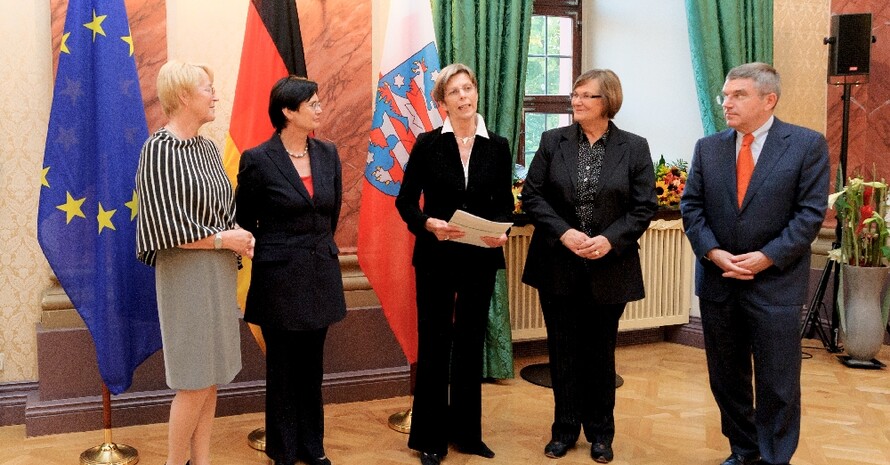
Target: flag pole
257 439
401 421
109 453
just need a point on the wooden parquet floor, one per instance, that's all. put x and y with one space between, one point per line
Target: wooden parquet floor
665 415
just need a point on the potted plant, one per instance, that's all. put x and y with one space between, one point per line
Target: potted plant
863 298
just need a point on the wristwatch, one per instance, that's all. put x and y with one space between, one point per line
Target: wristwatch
217 241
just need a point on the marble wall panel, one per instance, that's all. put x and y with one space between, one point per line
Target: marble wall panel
337 44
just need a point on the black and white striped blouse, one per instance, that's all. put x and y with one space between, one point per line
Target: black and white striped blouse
184 194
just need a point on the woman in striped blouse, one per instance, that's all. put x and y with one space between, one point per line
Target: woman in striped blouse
186 229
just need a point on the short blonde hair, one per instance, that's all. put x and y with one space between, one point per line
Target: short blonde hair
176 78
445 75
610 88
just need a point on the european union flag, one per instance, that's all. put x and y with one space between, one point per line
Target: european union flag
88 205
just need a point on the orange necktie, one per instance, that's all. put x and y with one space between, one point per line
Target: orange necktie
744 167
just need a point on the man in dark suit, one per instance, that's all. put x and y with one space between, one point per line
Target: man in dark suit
751 224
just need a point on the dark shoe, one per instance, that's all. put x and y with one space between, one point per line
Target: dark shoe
738 459
556 449
601 452
479 449
429 458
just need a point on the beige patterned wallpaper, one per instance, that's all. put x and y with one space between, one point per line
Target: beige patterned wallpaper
802 60
200 30
25 98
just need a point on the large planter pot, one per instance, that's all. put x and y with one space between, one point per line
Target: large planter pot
863 297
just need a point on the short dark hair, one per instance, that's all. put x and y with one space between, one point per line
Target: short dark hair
289 92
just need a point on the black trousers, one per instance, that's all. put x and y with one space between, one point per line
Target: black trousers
294 412
452 317
581 337
738 334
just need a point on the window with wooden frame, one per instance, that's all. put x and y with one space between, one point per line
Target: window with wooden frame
554 60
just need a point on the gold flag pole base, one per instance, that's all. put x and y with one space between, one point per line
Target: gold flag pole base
401 421
110 453
257 439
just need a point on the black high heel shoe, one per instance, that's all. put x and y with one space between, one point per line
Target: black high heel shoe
479 449
429 458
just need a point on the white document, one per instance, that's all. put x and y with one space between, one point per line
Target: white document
476 227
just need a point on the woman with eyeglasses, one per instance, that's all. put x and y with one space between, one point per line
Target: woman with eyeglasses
461 165
289 194
590 192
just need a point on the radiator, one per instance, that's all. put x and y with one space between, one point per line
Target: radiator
667 274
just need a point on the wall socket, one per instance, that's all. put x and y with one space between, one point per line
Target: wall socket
2 360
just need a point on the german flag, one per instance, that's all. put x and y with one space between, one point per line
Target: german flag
273 49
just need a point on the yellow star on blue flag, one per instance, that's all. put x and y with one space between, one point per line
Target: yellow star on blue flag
96 130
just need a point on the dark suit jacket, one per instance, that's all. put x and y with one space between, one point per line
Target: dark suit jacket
780 216
435 170
295 281
623 207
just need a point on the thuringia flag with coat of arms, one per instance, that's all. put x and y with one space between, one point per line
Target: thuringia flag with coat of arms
403 110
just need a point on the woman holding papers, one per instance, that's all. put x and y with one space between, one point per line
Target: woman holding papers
590 192
186 230
460 166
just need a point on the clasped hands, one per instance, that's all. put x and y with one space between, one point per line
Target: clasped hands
239 240
743 266
582 245
445 232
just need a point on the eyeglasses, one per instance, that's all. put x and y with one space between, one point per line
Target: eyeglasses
586 96
735 96
315 106
457 90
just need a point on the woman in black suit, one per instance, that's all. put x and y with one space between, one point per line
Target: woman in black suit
288 196
590 191
463 166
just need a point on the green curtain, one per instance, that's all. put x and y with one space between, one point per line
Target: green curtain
491 37
722 35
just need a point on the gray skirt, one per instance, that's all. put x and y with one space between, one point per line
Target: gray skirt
199 315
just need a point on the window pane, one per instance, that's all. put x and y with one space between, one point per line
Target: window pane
565 36
534 77
550 56
554 79
535 125
536 36
565 77
555 36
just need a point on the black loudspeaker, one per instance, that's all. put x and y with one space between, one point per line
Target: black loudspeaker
849 44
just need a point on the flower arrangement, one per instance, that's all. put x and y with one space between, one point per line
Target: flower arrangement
862 212
517 196
670 180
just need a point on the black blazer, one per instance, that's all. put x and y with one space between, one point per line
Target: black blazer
434 169
295 280
780 216
623 207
